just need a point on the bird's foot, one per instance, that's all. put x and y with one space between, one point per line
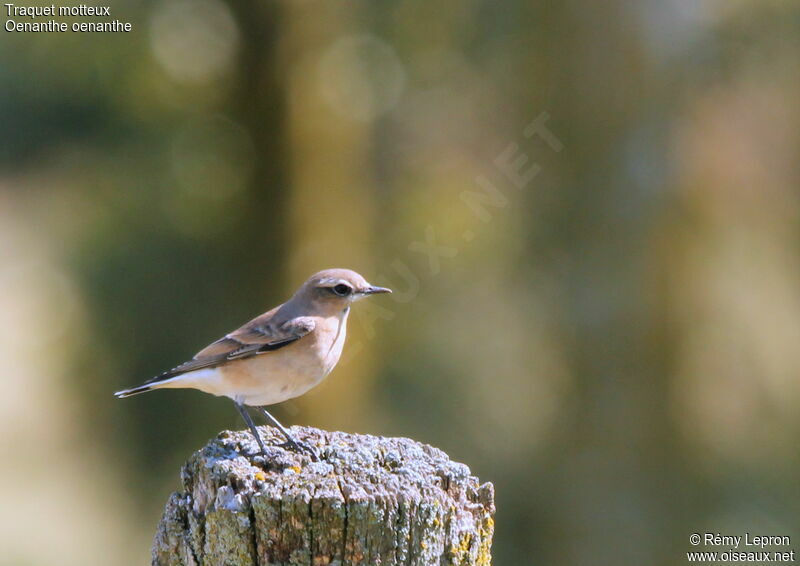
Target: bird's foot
299 447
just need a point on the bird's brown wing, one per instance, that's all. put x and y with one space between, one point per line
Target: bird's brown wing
258 336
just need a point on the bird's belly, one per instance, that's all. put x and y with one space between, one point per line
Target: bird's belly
272 377
277 376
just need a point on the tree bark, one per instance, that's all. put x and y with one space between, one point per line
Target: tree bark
368 500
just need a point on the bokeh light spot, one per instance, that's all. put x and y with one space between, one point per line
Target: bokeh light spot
361 77
194 41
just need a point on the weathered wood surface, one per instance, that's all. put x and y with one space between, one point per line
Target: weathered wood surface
369 500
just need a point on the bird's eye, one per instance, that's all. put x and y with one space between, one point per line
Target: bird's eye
342 290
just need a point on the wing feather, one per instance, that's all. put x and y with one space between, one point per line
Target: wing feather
259 336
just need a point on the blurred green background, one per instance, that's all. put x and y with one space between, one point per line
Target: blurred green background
611 334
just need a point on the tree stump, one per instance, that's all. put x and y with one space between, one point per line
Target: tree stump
368 500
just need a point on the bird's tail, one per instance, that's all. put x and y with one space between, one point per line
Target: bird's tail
133 391
167 379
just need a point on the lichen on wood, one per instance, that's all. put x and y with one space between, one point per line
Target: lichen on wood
368 500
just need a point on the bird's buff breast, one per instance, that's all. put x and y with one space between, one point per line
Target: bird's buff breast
276 376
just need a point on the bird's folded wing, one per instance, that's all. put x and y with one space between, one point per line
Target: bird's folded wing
258 336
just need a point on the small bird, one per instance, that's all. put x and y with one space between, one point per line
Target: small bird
278 355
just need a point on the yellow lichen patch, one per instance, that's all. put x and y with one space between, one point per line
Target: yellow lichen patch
296 469
484 557
261 476
463 547
460 553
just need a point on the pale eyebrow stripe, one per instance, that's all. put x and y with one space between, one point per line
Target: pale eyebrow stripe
332 282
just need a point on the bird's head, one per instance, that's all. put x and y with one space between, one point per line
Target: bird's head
336 289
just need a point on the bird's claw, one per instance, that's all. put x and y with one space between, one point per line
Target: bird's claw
299 447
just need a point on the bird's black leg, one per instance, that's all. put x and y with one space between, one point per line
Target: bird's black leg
249 420
290 441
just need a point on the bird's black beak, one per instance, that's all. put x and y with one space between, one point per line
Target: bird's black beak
372 290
